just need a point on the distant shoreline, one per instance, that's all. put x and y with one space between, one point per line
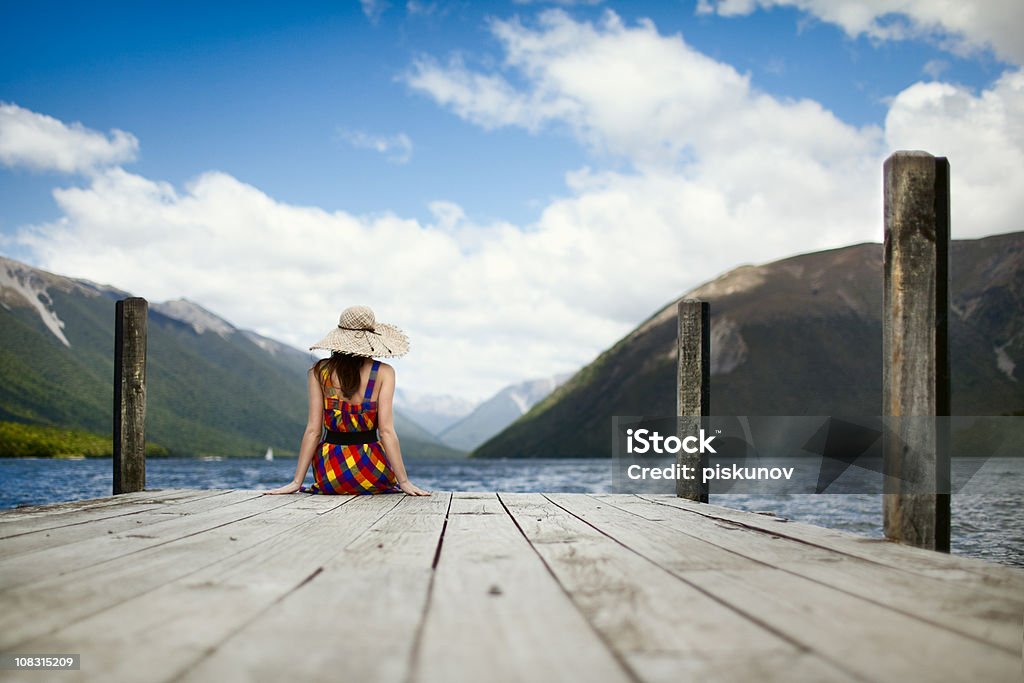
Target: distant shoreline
23 440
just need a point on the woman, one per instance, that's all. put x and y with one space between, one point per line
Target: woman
350 435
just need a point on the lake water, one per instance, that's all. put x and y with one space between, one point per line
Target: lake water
987 518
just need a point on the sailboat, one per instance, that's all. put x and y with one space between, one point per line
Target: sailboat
269 454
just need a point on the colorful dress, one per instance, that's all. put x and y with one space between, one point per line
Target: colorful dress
351 458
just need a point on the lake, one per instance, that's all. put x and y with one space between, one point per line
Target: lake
987 518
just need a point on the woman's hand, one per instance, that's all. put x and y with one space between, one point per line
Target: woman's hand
411 489
287 488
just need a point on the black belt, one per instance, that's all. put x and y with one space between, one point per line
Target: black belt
351 438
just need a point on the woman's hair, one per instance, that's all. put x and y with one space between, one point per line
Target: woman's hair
345 366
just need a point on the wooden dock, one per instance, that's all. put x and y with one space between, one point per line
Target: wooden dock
191 585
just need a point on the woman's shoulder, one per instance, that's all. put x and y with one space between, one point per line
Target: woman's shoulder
319 373
385 370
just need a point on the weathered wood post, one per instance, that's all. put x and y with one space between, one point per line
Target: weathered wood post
915 348
693 387
130 395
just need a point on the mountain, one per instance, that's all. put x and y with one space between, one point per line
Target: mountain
435 412
213 389
497 412
800 336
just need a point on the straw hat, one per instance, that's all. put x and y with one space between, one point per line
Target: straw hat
359 334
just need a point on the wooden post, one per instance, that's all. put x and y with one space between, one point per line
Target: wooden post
693 386
130 395
915 348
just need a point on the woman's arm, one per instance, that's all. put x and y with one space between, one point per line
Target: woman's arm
310 438
386 429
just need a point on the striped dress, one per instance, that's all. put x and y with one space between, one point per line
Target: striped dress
351 468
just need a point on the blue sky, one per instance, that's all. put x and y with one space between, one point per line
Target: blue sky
475 129
262 92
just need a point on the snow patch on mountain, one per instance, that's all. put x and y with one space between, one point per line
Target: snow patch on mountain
728 348
269 345
1004 362
20 283
194 315
527 394
95 289
522 401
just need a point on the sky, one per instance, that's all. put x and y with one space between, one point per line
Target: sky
516 184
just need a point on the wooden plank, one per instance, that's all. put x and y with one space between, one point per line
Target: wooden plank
870 641
136 523
86 503
319 503
969 572
65 558
978 614
697 554
476 504
361 613
638 607
166 630
39 518
496 614
42 607
130 395
837 626
915 349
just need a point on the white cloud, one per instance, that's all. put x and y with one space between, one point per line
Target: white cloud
373 9
631 92
935 68
485 305
43 143
960 26
983 137
487 100
774 176
721 174
421 8
397 148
